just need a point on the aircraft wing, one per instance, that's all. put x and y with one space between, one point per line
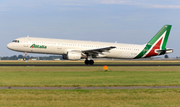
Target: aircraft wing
97 50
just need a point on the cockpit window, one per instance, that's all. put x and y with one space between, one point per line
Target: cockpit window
16 41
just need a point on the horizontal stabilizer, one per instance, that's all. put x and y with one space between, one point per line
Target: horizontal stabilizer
161 52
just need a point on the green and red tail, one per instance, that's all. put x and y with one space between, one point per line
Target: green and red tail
157 45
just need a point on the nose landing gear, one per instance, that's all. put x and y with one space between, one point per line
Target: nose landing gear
24 59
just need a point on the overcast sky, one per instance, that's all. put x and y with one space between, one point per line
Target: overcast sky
124 21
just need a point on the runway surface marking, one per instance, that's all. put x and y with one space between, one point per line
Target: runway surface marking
91 88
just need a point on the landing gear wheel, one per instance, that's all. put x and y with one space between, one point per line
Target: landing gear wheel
24 59
86 62
91 62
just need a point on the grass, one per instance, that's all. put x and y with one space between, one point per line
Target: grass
89 76
91 98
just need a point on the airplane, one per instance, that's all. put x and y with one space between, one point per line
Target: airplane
88 50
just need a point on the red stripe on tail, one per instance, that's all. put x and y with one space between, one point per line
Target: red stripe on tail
157 46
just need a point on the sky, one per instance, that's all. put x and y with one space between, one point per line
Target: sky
124 21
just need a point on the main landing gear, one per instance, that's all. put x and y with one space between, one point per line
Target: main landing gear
89 62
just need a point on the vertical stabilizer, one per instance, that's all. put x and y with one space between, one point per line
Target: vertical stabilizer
158 42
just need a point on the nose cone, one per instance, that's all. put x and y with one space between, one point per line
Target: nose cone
9 45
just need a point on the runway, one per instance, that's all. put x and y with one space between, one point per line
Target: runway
89 65
92 88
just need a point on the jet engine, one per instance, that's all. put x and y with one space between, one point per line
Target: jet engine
73 55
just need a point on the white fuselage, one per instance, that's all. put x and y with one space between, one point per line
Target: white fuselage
61 47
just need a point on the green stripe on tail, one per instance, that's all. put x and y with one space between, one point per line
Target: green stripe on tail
165 28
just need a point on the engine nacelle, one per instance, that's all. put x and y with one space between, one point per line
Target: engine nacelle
73 55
